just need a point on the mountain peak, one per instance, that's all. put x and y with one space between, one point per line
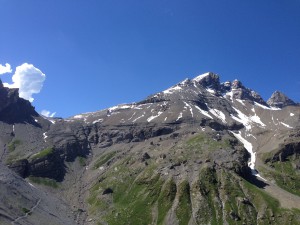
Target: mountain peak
237 84
207 78
278 99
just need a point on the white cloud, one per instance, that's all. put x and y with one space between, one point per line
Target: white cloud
47 113
5 69
28 79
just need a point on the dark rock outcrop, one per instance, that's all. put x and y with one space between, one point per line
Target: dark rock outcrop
20 167
14 109
239 91
235 160
107 191
212 81
50 166
145 156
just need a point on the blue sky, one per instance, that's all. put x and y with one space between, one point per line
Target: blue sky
97 54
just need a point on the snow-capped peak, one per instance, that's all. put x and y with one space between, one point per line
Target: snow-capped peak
185 81
200 77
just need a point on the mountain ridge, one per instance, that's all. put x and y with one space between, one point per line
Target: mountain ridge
175 155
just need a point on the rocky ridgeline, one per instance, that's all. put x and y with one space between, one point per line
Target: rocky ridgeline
181 155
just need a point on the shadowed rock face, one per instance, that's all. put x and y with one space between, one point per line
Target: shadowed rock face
278 99
14 109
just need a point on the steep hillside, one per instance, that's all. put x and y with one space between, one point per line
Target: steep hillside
200 152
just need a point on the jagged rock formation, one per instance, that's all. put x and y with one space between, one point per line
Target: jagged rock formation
13 108
197 153
278 99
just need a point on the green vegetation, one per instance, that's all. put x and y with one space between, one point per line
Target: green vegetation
141 195
134 200
13 157
82 161
135 194
165 200
261 198
267 156
13 145
184 208
268 208
25 210
43 153
228 197
44 181
119 178
285 175
199 147
236 203
104 159
145 197
208 187
203 142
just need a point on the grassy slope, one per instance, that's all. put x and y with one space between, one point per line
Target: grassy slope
216 196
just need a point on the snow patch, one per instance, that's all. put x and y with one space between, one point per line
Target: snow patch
185 81
247 121
274 108
190 107
179 117
172 89
195 85
256 119
132 116
248 146
261 106
286 125
205 113
200 77
251 135
122 106
97 121
240 101
292 114
274 121
230 95
52 121
31 185
219 114
45 136
265 107
242 118
212 91
153 117
138 118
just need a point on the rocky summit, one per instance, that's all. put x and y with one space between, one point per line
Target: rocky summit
200 152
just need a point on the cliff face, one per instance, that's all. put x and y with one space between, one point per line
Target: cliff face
14 109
